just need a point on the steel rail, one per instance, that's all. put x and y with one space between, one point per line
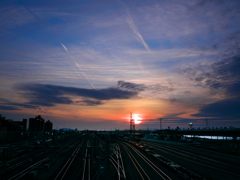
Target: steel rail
123 170
31 167
149 163
17 165
71 159
89 167
66 164
116 169
13 167
22 173
194 161
121 161
216 162
84 167
70 163
78 172
117 152
204 150
130 154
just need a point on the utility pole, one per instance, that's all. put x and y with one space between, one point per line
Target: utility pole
206 122
160 123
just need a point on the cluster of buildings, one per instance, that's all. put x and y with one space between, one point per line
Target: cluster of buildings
7 125
36 124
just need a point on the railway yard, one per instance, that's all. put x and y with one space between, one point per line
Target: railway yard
91 156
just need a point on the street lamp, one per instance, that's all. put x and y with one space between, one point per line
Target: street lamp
190 124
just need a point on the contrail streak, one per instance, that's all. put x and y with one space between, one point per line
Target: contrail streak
136 31
64 47
85 75
81 71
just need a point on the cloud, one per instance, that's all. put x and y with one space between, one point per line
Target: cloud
222 79
155 88
159 88
227 108
50 95
8 108
131 86
172 99
89 103
188 92
8 105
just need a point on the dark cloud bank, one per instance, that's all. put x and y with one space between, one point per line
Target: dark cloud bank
51 95
224 80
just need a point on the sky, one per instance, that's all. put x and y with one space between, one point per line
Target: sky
89 64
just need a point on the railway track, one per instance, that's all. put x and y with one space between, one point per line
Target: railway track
78 165
142 165
223 157
87 164
68 163
6 172
199 163
22 168
117 161
24 172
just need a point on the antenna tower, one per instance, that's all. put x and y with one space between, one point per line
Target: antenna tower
132 124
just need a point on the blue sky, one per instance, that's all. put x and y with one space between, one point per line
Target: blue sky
88 64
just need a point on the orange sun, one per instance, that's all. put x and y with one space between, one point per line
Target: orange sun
137 118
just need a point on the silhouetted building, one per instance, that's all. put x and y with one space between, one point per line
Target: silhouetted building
36 124
48 125
21 125
9 125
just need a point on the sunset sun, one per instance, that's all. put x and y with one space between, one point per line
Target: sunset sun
137 118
